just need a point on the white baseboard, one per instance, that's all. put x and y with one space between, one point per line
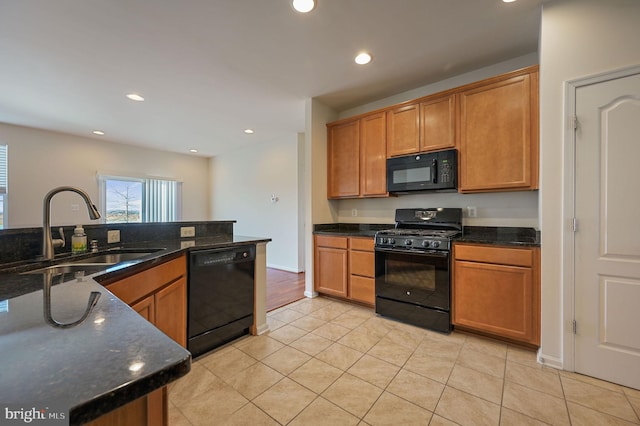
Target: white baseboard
550 361
310 294
283 268
264 328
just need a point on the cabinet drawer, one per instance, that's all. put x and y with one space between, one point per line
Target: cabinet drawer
328 241
364 244
135 287
362 263
362 289
500 255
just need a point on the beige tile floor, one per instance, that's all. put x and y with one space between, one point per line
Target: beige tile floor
326 362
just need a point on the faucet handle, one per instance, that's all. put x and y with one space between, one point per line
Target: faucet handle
59 242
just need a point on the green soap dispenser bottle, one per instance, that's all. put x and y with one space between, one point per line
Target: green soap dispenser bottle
78 240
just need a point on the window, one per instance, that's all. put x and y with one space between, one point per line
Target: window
135 200
3 185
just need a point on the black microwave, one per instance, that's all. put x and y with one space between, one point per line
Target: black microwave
429 171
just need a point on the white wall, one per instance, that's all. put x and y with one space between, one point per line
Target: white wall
242 183
41 160
579 38
317 208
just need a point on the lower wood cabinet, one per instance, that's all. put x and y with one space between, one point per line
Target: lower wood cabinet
345 267
159 294
496 291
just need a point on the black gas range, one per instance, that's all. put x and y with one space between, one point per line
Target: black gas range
413 267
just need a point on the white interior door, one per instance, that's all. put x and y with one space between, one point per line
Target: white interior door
607 241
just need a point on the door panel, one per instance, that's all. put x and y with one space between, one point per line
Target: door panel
607 243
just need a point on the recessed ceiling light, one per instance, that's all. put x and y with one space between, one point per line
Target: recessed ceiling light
135 97
508 1
98 132
249 131
363 58
304 6
193 150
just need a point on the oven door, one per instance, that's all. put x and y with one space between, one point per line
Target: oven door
417 277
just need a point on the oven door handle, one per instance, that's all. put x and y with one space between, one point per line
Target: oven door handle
429 253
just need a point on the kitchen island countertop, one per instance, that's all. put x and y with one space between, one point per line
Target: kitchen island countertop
110 358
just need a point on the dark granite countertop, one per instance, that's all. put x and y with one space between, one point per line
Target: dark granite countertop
110 358
500 235
350 229
495 235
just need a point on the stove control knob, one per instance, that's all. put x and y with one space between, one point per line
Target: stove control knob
392 240
425 243
435 244
383 240
408 242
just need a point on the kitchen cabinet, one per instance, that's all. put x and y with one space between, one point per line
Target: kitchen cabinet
345 267
356 158
331 265
362 270
499 133
159 294
438 123
403 130
343 165
496 291
493 123
426 125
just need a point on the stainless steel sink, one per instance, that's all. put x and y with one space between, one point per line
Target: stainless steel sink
91 265
113 258
71 268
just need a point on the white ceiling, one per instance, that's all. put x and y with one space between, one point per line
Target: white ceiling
211 68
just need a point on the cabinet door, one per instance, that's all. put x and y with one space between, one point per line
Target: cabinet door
496 299
331 271
362 289
171 311
438 124
145 308
403 130
343 165
373 155
362 263
498 136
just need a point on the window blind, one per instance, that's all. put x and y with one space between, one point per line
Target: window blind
3 169
160 200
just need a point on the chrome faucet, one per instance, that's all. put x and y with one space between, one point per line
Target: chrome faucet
48 243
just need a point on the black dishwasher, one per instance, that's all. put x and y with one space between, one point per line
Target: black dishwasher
221 288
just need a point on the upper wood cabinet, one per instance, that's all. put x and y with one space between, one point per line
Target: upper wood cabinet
493 123
343 165
356 157
373 155
403 130
438 123
499 134
423 126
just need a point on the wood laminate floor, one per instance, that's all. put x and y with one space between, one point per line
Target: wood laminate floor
283 288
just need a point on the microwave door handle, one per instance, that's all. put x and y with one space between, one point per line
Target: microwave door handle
434 168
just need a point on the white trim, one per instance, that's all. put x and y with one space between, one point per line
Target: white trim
284 268
264 328
568 208
108 174
549 361
311 294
